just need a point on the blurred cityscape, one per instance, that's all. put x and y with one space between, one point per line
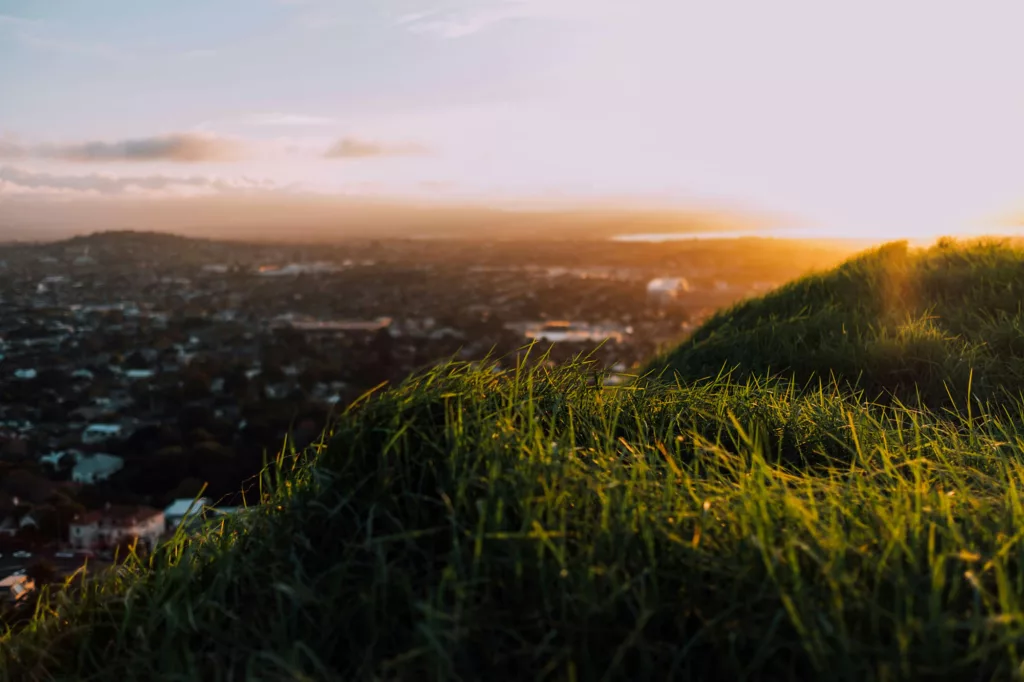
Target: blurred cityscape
139 369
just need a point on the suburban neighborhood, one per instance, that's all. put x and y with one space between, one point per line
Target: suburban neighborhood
141 370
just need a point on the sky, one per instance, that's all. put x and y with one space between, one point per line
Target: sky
848 119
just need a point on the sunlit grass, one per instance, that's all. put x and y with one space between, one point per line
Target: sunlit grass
529 525
918 324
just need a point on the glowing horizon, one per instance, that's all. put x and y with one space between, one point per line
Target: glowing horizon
866 121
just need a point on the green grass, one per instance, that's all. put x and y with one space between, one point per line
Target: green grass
917 324
532 524
469 525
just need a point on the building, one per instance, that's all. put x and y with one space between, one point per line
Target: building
92 469
15 520
572 332
54 458
104 530
100 433
667 288
14 588
181 507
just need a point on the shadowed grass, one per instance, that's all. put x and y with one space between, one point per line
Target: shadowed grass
529 525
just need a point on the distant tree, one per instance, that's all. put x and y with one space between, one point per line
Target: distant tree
14 449
235 381
136 360
170 451
272 373
50 378
145 439
383 346
212 449
194 417
187 489
26 485
46 518
66 510
196 385
199 435
43 572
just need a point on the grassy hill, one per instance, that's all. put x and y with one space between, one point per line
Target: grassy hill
532 524
914 324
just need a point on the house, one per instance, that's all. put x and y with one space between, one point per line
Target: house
100 433
667 288
14 588
94 468
54 458
16 519
179 508
28 373
105 529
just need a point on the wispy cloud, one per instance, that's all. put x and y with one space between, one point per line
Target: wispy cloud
282 119
458 23
45 42
10 20
180 147
41 35
199 53
19 182
355 148
10 148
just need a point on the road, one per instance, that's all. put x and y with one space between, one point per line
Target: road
9 564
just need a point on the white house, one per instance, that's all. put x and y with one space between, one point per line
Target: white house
14 588
100 433
101 530
25 373
663 288
94 468
177 510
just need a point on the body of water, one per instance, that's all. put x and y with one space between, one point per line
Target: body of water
777 233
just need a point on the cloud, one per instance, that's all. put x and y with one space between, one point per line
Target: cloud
66 46
20 182
459 23
41 35
180 147
199 53
12 149
281 119
8 19
354 148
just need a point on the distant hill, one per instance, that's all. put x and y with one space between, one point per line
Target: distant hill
892 321
324 219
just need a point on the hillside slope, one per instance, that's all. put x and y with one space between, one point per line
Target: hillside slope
534 524
469 525
911 323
